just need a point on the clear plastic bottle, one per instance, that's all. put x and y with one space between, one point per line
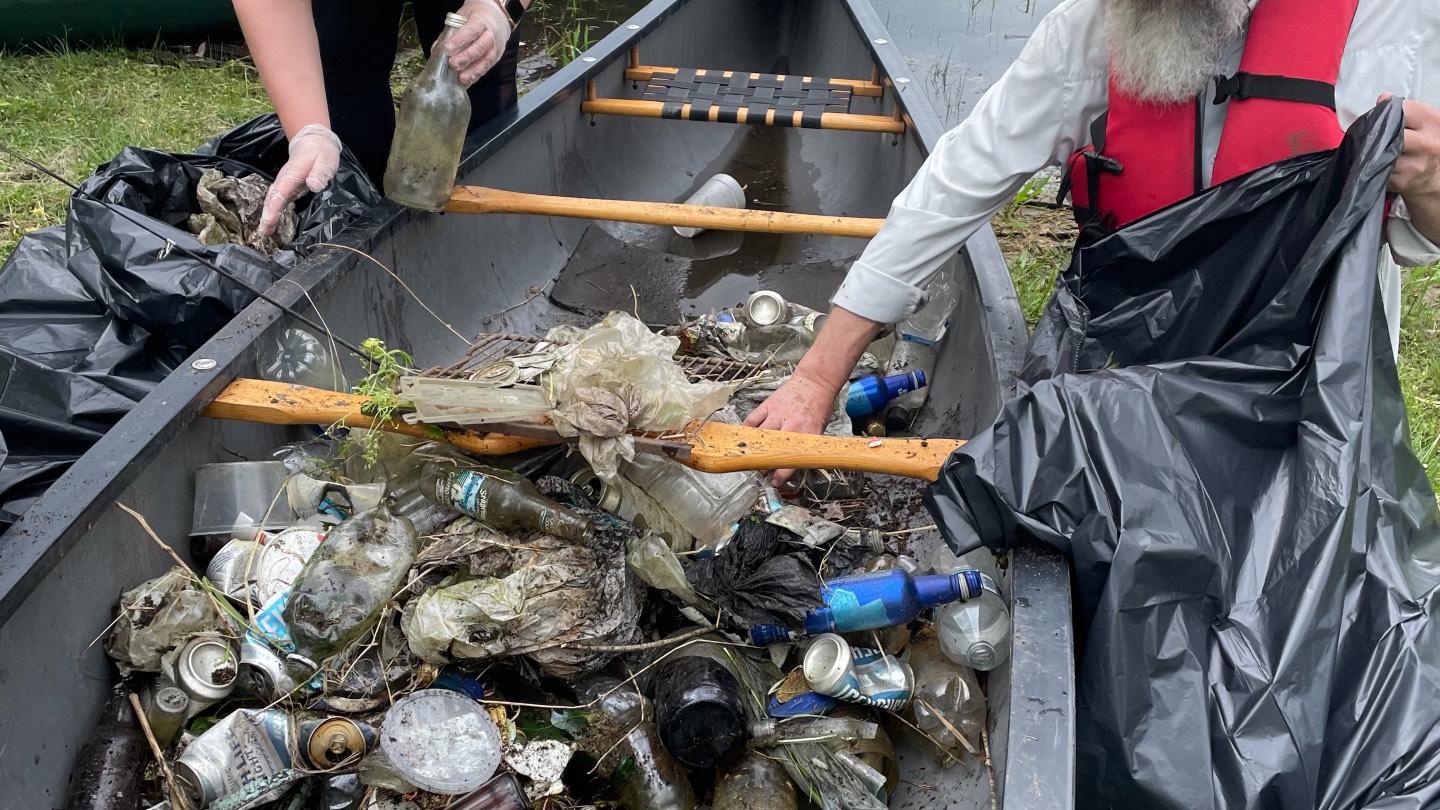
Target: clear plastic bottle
947 699
299 357
339 593
917 345
502 499
704 504
755 782
429 132
975 632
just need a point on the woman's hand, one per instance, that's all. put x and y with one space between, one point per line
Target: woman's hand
479 44
314 157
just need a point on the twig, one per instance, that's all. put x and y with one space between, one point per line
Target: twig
647 645
177 798
145 524
989 766
402 283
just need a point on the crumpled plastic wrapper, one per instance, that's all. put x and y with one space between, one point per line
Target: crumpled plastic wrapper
159 616
618 376
230 212
543 763
526 595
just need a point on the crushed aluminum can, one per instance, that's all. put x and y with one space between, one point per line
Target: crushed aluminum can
766 308
814 531
246 749
227 569
517 368
204 669
262 672
335 741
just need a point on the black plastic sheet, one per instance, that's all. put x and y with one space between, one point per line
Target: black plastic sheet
1210 426
95 312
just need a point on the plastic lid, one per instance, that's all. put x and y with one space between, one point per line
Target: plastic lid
440 741
981 655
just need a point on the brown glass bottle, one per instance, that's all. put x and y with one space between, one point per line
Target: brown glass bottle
429 132
502 499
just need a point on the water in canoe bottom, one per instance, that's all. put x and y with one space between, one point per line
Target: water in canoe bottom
386 620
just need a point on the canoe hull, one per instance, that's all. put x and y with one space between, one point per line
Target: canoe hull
62 567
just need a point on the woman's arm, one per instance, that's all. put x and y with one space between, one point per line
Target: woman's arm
282 40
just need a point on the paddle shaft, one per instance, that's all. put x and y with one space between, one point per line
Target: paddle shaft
709 447
482 200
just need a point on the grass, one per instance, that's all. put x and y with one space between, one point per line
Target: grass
73 110
1036 240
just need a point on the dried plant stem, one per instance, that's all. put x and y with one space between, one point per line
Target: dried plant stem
177 797
647 645
145 524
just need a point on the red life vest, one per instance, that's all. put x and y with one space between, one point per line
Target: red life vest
1148 155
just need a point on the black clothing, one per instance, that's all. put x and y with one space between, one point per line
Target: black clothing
357 53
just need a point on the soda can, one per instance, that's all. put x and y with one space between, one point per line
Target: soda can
766 308
262 673
205 670
335 741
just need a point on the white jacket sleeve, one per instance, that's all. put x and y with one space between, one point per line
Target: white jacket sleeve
1036 115
1409 247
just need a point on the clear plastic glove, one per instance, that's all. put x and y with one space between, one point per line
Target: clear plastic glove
479 44
802 405
314 157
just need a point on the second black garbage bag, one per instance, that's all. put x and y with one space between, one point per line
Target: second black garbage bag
1210 426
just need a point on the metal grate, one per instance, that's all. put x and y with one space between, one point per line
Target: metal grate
492 348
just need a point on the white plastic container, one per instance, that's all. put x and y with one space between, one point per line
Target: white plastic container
720 191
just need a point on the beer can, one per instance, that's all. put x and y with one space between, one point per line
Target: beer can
262 673
244 748
227 569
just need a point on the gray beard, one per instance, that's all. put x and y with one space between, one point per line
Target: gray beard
1167 50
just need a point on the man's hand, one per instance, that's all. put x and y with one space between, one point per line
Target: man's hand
1416 176
314 157
476 47
802 405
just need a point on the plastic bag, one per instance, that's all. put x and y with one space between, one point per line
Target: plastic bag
121 307
754 583
159 616
618 376
526 597
1213 432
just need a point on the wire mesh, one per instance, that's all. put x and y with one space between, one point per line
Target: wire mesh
492 348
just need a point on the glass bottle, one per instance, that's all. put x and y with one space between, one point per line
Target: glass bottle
644 773
917 344
108 768
429 132
501 499
874 600
755 782
339 593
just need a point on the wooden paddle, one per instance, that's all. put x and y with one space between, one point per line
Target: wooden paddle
481 200
709 446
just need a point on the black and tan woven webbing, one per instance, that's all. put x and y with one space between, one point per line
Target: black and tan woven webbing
757 94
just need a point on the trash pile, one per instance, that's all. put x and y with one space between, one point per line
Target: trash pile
405 626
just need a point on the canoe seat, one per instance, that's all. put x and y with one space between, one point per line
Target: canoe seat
736 97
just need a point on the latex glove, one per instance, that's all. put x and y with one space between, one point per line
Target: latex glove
479 44
314 157
802 405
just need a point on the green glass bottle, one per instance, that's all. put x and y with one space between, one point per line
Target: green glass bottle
429 132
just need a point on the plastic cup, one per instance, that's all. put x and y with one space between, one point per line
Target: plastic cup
720 191
240 497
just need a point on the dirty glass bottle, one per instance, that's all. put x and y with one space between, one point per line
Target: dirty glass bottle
429 132
502 499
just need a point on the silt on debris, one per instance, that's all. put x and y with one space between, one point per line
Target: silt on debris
579 629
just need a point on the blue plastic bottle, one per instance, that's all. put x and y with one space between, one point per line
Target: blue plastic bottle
869 394
869 601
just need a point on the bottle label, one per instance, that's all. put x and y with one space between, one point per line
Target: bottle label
849 614
466 491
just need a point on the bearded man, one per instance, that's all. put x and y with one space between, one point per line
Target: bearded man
1147 102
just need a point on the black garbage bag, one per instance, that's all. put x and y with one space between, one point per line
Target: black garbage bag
1211 428
754 582
95 312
